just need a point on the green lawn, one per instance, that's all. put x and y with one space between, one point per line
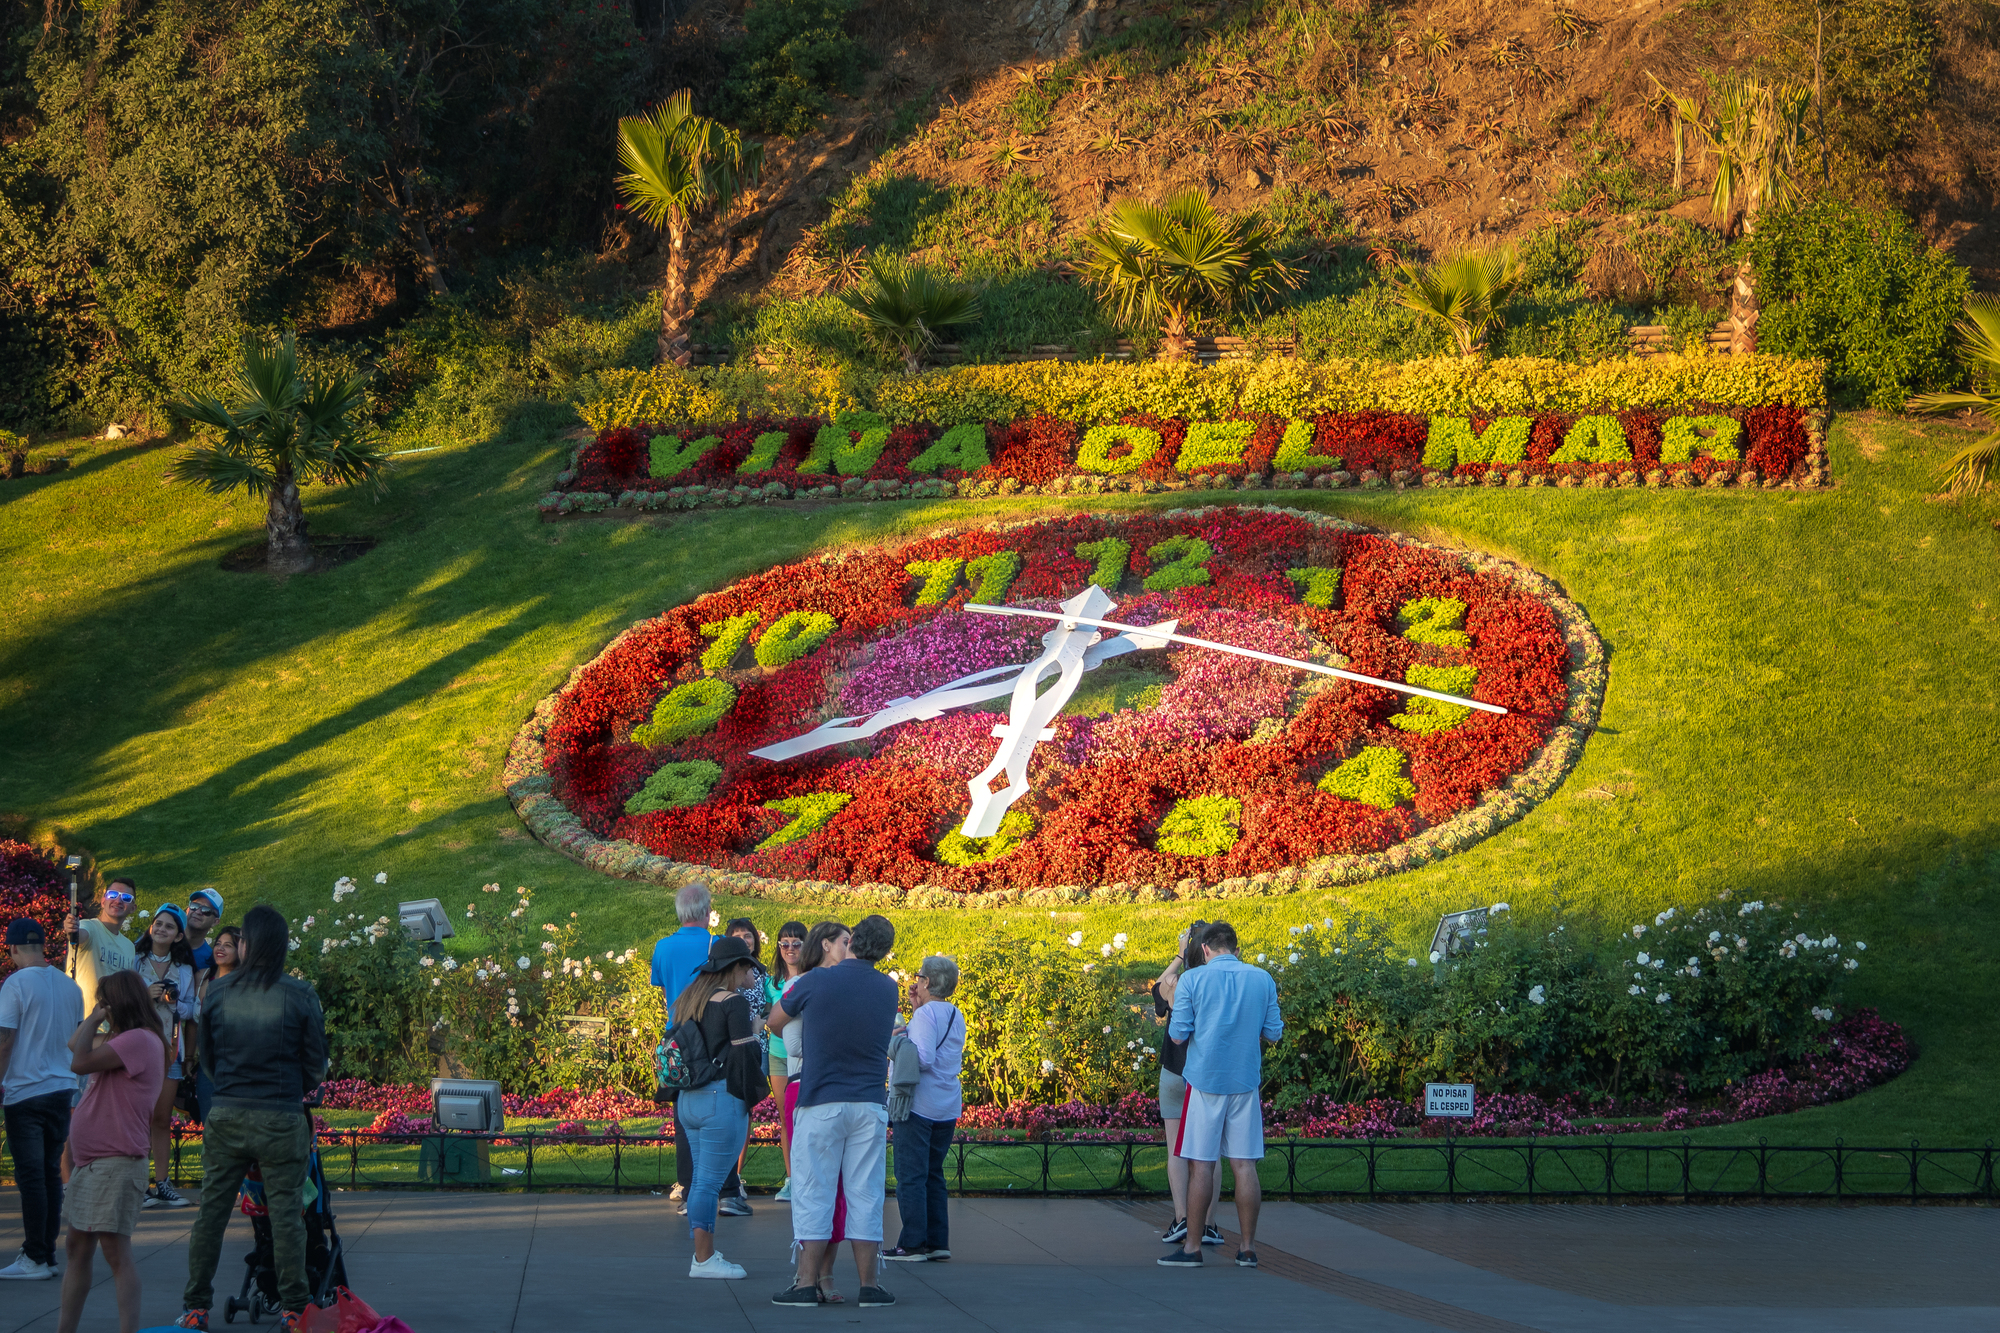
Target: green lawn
1801 706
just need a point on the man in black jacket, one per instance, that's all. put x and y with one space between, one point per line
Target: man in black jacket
263 1043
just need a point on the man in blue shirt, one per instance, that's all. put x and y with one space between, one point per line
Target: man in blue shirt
841 1127
676 958
1226 1006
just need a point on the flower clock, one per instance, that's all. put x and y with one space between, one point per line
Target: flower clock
1215 702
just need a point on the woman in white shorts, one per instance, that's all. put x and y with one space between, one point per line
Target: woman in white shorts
1174 1089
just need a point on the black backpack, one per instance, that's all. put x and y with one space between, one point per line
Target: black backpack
682 1062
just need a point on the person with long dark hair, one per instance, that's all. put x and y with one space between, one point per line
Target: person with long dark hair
735 1198
264 1045
225 956
785 969
716 1115
166 965
108 1143
1173 1087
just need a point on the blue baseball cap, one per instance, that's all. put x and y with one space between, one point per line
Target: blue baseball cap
209 896
25 930
179 915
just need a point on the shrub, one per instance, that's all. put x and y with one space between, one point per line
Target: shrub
1044 1024
686 710
684 782
33 885
1859 289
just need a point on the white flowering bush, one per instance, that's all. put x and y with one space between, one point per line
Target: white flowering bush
1686 1003
1045 1026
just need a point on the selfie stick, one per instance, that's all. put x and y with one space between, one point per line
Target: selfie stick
75 936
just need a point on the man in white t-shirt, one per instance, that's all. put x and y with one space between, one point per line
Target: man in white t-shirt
39 1010
102 946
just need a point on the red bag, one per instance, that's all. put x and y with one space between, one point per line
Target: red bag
348 1314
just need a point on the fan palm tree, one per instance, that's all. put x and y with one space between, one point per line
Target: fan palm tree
1979 347
905 304
1468 294
1167 266
677 165
1752 130
283 429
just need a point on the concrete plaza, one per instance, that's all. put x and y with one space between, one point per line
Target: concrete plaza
466 1263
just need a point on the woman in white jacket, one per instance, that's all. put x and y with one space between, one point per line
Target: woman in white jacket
166 965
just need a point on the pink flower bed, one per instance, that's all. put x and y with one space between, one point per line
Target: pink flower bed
1861 1051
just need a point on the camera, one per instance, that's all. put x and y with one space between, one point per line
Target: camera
171 991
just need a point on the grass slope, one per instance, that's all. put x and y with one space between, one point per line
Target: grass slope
1801 707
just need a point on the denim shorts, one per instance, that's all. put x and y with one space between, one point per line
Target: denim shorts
1173 1095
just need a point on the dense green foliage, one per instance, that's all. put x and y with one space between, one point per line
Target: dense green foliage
794 54
1858 288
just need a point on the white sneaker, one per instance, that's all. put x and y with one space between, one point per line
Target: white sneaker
717 1266
24 1269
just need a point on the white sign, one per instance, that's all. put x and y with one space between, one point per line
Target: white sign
1448 1099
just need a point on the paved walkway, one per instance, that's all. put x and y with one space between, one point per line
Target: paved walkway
462 1263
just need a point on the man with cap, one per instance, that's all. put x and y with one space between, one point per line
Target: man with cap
204 909
39 1009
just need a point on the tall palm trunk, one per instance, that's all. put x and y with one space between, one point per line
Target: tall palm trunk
286 550
675 349
1743 311
1175 342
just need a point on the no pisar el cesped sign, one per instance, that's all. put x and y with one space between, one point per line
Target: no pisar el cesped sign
1267 700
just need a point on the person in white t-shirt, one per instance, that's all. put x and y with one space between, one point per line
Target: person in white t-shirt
39 1009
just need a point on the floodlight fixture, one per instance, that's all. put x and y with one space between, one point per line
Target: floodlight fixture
424 921
1457 932
471 1105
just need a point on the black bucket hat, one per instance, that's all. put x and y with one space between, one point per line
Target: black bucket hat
726 953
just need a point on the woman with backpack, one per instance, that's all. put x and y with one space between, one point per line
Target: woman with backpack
715 1031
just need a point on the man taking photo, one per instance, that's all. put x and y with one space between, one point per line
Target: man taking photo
1226 1006
101 947
39 1009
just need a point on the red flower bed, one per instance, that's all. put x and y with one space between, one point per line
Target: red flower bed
33 885
1101 785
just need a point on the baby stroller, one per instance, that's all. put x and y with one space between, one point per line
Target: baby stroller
326 1267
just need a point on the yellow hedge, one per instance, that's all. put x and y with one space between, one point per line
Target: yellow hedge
1099 390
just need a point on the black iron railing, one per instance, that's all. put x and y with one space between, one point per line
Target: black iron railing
1570 1168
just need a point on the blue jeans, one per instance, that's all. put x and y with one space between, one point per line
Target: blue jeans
921 1146
715 1123
37 1128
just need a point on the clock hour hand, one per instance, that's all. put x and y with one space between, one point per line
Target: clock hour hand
978 687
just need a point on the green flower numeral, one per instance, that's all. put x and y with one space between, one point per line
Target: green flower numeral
1201 826
809 815
686 710
684 782
939 576
793 636
729 635
991 575
1186 564
1372 777
1438 620
955 849
1317 586
1423 716
1111 555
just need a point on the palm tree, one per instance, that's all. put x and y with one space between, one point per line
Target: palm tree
676 165
904 304
1979 347
285 428
1752 131
1468 294
1167 266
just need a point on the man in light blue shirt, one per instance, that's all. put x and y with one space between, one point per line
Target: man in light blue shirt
1227 1007
676 958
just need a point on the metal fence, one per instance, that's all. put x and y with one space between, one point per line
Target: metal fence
1444 1168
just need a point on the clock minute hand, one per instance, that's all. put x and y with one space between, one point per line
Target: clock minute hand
1162 632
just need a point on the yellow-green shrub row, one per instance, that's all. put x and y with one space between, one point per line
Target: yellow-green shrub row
1099 391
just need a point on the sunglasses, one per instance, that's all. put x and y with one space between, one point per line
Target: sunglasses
112 896
791 944
200 909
